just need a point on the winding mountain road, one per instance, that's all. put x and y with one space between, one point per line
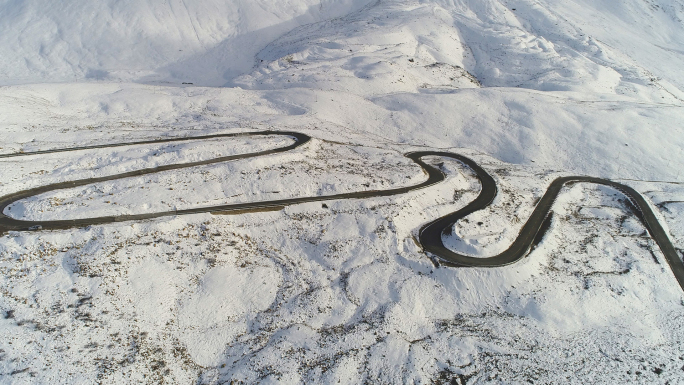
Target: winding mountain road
430 235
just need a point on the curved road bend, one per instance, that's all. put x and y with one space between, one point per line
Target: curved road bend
430 235
7 223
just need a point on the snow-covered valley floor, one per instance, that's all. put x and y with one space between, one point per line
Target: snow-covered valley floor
340 291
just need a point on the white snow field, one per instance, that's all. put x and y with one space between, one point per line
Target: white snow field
340 291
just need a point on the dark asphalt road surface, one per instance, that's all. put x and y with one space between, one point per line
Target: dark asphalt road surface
430 235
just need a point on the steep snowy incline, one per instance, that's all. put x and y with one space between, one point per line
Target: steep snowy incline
204 42
510 78
648 34
405 46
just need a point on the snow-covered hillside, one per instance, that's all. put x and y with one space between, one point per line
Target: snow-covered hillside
340 291
206 42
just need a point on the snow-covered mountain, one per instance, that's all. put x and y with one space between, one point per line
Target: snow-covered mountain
340 292
206 42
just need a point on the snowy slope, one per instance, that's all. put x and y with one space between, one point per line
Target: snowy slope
206 42
341 292
645 34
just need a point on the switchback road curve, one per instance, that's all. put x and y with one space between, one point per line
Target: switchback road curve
430 235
